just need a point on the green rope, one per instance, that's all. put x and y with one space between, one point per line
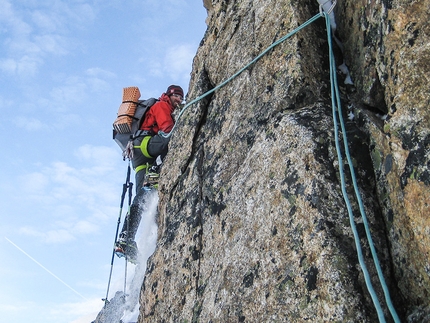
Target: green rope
345 195
335 101
241 70
336 96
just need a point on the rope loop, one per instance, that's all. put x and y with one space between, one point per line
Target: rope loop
338 119
330 9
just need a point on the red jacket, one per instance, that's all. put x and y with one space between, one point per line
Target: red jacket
159 117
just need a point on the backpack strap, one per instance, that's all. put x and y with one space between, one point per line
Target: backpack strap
127 115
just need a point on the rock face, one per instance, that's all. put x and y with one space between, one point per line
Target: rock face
395 70
253 225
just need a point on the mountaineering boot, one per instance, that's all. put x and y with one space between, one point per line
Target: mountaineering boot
120 244
151 177
154 169
124 248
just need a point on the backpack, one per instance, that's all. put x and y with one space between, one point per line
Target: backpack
131 114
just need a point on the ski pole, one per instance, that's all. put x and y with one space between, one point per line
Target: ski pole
124 191
130 193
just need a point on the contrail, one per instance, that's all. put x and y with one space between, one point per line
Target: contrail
45 268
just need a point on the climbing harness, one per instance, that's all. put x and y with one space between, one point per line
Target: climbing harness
326 9
127 186
144 147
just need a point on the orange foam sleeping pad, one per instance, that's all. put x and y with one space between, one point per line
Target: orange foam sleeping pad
130 96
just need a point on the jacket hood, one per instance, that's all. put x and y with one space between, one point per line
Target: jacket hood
165 98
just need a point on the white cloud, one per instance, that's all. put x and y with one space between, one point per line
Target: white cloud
11 307
14 309
87 318
8 65
85 311
51 44
73 91
33 32
77 199
25 65
9 18
98 284
77 312
67 230
46 22
5 104
178 61
28 65
66 121
63 106
175 62
99 79
59 236
36 182
85 227
29 124
100 157
52 236
156 69
79 14
99 72
77 90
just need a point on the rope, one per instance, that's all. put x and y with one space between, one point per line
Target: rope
335 96
335 101
343 186
241 70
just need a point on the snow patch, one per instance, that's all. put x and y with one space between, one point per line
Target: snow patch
146 242
345 71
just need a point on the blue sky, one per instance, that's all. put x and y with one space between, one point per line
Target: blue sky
63 65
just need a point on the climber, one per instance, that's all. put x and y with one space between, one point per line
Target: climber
149 150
